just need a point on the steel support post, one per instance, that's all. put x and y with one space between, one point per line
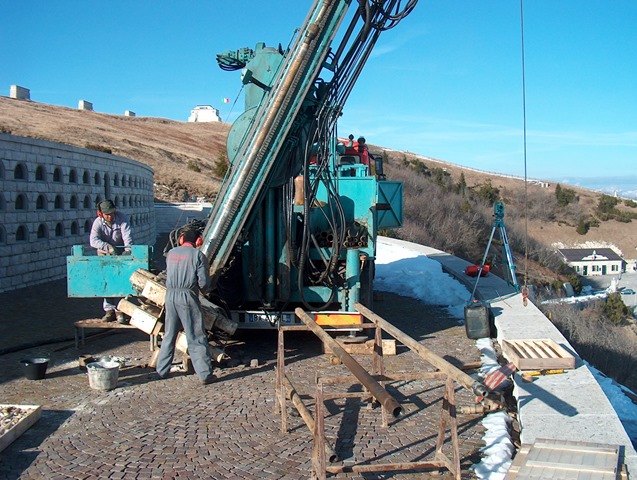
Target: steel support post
280 384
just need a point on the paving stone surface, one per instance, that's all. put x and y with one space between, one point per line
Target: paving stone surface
175 428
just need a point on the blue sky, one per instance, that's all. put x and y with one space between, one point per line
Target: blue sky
446 82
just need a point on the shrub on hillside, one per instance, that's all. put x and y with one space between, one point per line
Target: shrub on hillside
615 309
625 217
487 193
443 220
192 165
607 204
221 166
583 227
460 188
601 343
565 196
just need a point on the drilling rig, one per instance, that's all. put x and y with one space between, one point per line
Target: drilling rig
296 219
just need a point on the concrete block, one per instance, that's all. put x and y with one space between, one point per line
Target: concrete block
85 105
20 93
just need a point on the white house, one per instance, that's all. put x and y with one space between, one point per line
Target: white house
204 113
589 262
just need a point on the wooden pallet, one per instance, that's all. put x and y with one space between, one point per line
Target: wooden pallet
543 354
564 459
35 412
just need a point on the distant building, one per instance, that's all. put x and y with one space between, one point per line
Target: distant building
85 105
20 93
590 262
204 113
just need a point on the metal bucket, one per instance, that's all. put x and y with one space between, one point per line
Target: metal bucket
102 375
35 368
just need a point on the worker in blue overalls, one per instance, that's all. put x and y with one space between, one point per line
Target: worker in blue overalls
186 273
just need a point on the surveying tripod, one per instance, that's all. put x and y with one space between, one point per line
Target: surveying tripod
498 215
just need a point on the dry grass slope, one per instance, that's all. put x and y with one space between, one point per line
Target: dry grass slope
169 147
547 223
175 150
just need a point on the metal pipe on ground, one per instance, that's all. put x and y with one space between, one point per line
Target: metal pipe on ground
307 416
375 388
440 363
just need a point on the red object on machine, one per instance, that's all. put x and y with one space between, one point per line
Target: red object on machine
355 151
472 270
353 147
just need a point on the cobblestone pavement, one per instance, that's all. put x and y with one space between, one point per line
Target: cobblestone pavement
176 428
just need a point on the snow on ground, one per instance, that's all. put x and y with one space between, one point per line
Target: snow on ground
623 405
412 274
407 272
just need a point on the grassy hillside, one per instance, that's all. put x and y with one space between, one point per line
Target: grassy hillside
446 206
182 154
450 206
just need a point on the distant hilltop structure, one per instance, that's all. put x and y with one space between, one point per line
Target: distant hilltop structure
201 113
204 113
22 93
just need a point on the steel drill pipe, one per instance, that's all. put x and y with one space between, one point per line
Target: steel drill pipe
307 416
426 354
375 389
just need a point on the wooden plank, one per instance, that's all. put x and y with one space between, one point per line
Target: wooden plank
99 323
181 343
585 447
564 459
22 426
155 292
143 321
540 354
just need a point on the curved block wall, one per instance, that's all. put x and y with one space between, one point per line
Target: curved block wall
48 197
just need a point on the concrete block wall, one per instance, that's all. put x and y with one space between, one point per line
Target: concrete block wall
48 197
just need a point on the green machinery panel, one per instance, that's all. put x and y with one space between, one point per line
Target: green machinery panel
104 276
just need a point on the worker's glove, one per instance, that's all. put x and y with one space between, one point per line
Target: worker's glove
110 249
126 251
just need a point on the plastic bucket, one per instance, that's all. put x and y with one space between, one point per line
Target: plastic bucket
35 368
102 375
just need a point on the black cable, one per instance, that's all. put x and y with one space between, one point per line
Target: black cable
228 63
526 201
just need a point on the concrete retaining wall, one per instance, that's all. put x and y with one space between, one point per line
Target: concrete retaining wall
569 406
48 197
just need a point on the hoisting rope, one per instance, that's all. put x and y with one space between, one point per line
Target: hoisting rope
525 289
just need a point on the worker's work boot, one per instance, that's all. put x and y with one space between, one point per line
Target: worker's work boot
109 316
122 318
208 380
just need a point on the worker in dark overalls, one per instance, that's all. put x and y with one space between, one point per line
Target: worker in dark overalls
186 273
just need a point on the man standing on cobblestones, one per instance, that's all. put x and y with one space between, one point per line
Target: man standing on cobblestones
111 235
186 273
